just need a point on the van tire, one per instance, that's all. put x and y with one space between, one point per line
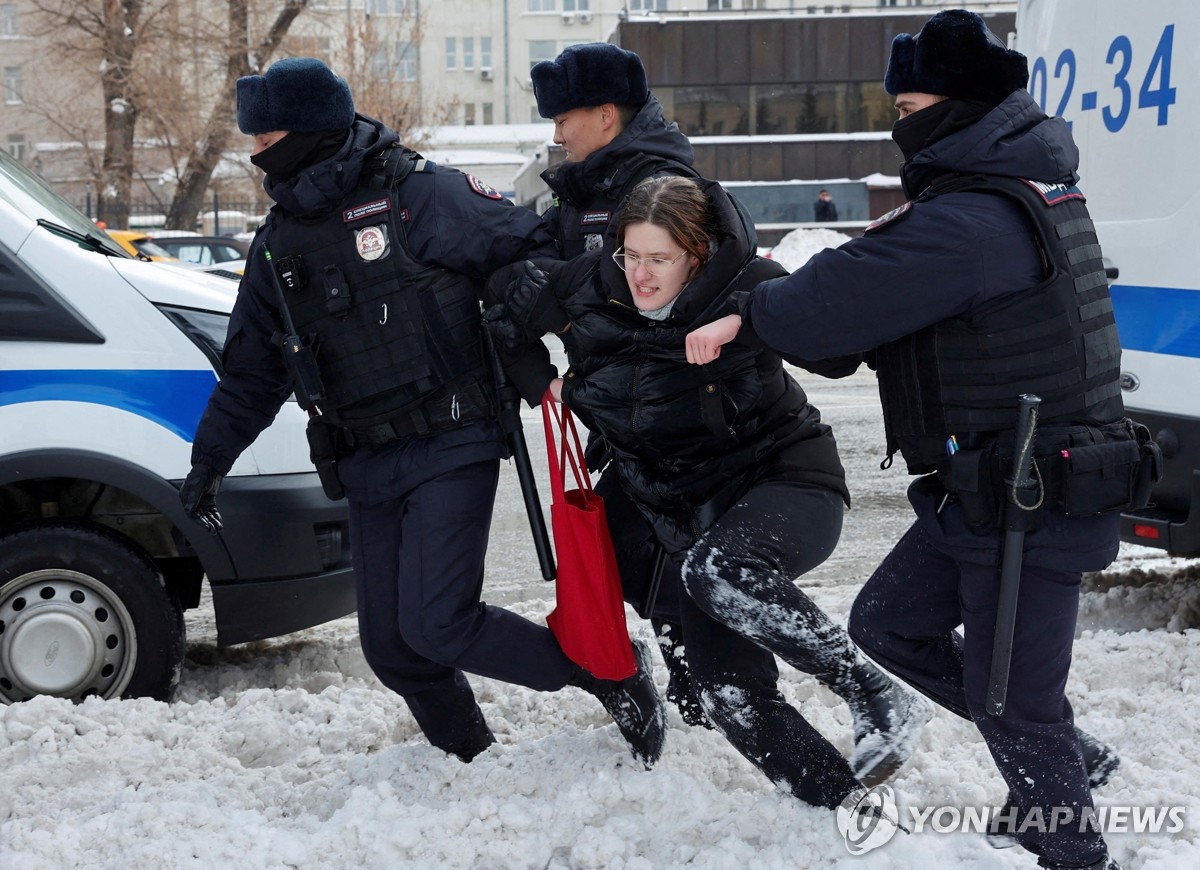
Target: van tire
84 613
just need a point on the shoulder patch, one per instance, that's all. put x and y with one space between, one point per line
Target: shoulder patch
483 188
898 212
1053 194
595 217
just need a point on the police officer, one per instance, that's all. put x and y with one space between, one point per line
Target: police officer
987 284
379 258
613 135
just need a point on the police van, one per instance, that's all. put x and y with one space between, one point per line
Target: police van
1127 78
106 364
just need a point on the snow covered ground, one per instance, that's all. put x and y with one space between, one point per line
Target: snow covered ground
289 754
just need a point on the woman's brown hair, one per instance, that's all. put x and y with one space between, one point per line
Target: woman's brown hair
676 204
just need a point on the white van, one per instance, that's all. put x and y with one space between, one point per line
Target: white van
1126 76
106 364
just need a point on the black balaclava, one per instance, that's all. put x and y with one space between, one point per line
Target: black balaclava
297 151
932 124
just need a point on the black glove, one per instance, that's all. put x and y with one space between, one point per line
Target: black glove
510 338
531 301
199 496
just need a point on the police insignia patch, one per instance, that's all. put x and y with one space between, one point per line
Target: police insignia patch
372 242
483 188
898 211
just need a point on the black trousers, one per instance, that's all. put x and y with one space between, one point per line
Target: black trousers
737 606
418 548
942 574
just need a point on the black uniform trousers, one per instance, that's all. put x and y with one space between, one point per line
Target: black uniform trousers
943 574
419 526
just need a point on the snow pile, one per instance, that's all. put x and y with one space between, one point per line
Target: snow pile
796 247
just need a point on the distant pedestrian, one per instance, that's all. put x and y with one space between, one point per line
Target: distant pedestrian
825 209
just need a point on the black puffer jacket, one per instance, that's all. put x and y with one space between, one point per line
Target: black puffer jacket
689 440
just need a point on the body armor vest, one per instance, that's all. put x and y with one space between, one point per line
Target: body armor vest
391 335
583 229
1057 340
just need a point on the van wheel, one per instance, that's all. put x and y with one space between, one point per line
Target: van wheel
83 613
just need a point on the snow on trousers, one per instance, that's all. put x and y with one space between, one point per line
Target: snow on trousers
742 607
418 544
905 619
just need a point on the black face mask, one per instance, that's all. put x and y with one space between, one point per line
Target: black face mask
297 151
921 129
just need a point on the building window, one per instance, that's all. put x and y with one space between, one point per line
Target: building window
451 53
542 49
406 62
712 111
469 114
487 113
485 52
468 52
16 145
540 5
575 5
386 7
720 4
12 86
9 23
647 5
397 63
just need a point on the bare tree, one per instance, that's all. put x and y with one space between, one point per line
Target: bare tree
211 147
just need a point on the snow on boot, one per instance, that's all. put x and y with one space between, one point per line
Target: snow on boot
634 705
477 740
888 720
1099 758
680 690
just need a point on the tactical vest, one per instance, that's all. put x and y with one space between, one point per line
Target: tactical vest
396 340
583 229
1057 340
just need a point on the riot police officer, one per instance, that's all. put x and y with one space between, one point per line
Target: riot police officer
361 296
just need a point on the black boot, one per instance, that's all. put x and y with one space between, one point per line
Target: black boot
887 721
634 705
680 690
477 740
1105 863
1100 759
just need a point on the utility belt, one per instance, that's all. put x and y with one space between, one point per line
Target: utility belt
450 407
1115 472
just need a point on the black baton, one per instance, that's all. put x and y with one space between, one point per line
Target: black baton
510 422
1021 481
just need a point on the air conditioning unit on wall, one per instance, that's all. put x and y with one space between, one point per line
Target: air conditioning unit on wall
584 17
486 73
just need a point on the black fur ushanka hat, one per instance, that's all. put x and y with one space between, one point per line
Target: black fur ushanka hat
590 74
297 94
956 56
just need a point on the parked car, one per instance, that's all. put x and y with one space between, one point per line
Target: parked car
205 250
139 244
107 366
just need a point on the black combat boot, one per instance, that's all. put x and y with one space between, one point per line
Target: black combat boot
1099 758
634 705
477 739
888 719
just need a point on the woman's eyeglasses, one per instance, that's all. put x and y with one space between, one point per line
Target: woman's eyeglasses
653 265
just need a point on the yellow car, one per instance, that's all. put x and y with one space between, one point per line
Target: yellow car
140 245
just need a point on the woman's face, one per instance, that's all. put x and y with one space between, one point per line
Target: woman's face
655 284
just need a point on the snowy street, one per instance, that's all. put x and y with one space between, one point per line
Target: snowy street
289 754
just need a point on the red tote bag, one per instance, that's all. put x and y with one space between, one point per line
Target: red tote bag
589 614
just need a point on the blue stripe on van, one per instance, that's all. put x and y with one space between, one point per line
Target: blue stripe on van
1158 319
172 399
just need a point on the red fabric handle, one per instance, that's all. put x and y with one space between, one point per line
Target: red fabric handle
563 450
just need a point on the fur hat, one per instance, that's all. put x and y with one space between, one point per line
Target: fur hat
956 56
590 74
297 94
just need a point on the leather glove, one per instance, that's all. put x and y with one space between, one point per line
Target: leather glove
531 301
510 338
199 496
